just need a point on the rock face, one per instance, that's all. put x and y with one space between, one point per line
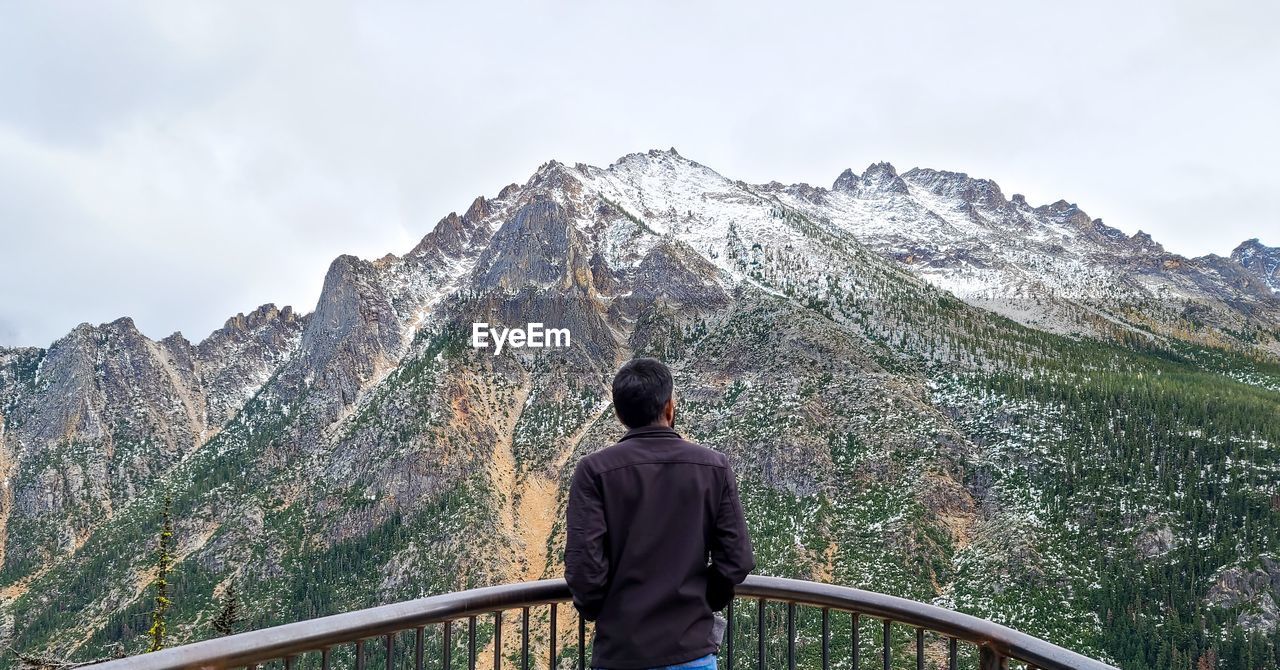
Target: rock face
1260 260
1254 592
880 179
1155 542
236 360
846 347
353 334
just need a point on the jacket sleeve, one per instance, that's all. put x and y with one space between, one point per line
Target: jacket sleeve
732 558
586 561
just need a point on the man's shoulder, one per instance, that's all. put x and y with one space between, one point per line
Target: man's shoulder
675 450
704 454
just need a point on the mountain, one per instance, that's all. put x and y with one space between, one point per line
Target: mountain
90 421
926 388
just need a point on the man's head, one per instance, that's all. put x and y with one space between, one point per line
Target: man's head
643 394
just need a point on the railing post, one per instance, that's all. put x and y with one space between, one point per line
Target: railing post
582 642
360 655
760 634
990 659
855 639
554 643
826 639
524 638
497 640
419 647
471 643
888 648
791 636
447 654
728 632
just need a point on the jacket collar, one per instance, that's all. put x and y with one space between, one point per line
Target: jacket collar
650 431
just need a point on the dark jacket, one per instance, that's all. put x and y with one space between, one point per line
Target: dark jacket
644 515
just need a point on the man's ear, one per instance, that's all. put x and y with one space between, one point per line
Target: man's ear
669 412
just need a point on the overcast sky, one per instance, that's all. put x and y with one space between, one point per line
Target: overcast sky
179 163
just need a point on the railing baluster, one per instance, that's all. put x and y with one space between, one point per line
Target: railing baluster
953 658
728 633
760 634
446 656
990 659
524 638
497 640
360 655
471 643
289 661
791 636
554 642
419 647
582 642
390 639
826 639
855 639
920 649
888 649
324 659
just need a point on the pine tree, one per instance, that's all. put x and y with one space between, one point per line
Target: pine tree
163 565
229 617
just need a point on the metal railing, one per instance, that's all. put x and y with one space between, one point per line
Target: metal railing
402 630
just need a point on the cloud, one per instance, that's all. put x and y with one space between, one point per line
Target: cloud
8 331
179 163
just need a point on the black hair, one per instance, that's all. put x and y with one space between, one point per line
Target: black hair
641 390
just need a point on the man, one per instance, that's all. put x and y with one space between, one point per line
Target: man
644 517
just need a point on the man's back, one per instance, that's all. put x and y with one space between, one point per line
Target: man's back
644 515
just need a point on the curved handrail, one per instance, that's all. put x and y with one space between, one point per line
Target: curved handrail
1007 641
250 648
244 649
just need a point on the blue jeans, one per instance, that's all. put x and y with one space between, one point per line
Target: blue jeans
707 662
